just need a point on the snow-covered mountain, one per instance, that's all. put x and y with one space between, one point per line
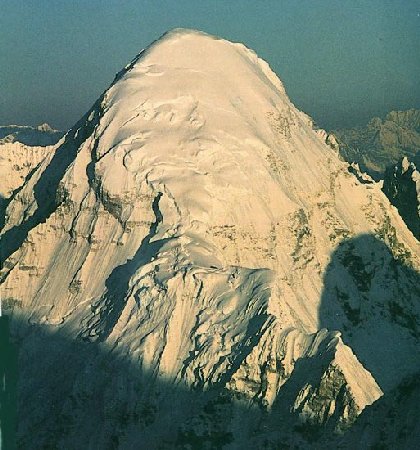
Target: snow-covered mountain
192 266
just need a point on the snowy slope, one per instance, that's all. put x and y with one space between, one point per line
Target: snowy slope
196 227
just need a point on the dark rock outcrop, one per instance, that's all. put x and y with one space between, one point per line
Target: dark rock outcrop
402 187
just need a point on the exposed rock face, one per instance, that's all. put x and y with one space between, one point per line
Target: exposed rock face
172 265
320 372
382 142
402 187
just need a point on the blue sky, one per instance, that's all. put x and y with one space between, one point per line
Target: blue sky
342 61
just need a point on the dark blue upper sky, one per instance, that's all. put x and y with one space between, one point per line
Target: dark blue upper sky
342 61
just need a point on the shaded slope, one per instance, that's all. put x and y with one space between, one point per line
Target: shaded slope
402 187
104 396
373 297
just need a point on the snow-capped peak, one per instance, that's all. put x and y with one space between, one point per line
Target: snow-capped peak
194 238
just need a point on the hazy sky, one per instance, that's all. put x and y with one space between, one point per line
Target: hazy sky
342 61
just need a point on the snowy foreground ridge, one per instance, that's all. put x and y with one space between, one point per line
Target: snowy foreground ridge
192 266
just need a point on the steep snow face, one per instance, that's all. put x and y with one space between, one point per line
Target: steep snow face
194 223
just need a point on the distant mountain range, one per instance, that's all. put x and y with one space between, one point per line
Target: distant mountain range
42 135
382 142
389 149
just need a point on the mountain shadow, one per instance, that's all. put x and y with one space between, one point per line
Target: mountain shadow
372 296
75 393
390 423
8 387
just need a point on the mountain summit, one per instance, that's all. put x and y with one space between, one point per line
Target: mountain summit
192 265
